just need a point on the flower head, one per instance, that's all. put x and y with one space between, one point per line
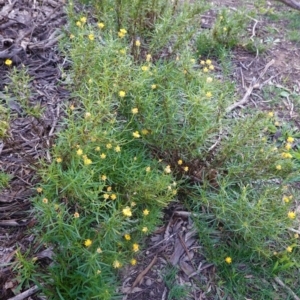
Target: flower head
145 68
208 94
290 139
146 212
137 43
136 134
289 249
39 189
228 260
122 32
100 25
145 131
208 62
122 94
45 200
79 152
133 262
278 167
168 169
117 264
113 196
103 177
205 70
79 24
127 237
291 215
134 110
148 169
288 146
145 229
148 57
153 86
103 155
59 160
135 247
83 20
180 162
211 67
88 242
91 36
105 196
185 169
76 215
8 62
209 79
87 161
127 211
99 250
109 146
118 149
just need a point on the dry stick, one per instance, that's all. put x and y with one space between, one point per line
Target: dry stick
294 230
25 294
143 273
277 279
254 84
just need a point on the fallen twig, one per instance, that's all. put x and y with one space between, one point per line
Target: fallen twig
143 273
278 280
253 84
26 294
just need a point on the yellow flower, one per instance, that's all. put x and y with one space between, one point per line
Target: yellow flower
167 169
137 43
109 146
79 152
145 68
117 264
122 30
78 23
148 169
180 162
153 86
103 177
127 211
133 262
99 250
228 260
205 70
271 114
45 200
289 249
286 199
286 155
145 131
146 212
39 189
209 79
211 67
122 51
97 149
83 19
296 235
224 29
122 94
103 155
122 33
278 167
290 139
135 247
148 57
105 196
133 204
76 215
108 188
98 272
291 215
208 94
87 115
135 111
87 161
113 197
136 134
288 146
59 160
91 36
202 62
8 62
277 123
186 168
118 149
72 107
145 229
208 62
88 242
127 237
100 25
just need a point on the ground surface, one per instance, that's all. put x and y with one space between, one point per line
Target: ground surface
28 36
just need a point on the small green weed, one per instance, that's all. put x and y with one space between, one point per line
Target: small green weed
4 180
4 121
